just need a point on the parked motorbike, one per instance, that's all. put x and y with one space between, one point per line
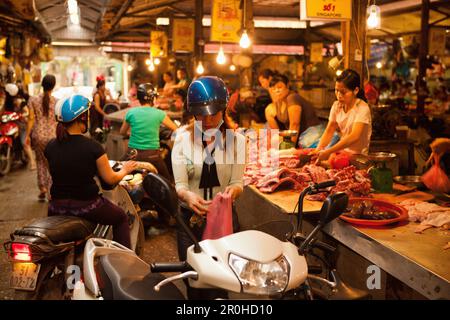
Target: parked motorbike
248 263
42 252
11 149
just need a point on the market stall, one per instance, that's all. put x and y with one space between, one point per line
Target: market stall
415 254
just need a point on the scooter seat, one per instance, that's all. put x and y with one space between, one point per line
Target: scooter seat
59 229
126 277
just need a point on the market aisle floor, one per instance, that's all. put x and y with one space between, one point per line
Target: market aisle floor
19 206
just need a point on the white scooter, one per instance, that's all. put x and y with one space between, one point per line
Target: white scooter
47 252
249 262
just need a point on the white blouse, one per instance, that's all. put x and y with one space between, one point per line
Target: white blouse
187 162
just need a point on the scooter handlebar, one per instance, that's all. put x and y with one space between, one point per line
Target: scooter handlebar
325 184
170 267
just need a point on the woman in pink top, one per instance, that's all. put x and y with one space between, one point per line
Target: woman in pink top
350 115
42 126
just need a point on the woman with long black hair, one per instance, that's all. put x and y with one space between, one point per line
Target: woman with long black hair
42 127
351 115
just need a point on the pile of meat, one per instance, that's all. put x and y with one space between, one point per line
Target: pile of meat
354 182
428 214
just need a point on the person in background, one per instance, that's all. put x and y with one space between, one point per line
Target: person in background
289 111
263 98
42 128
371 92
144 124
180 105
97 113
11 91
168 89
198 183
183 81
15 102
351 115
74 161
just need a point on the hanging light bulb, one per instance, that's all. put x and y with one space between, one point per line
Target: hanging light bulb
232 67
373 21
221 59
338 72
151 67
245 40
148 62
157 61
130 67
378 65
200 68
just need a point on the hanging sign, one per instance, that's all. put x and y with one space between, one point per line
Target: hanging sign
226 21
316 52
326 10
158 44
436 44
183 35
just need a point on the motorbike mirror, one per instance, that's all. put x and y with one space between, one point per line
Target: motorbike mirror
161 191
333 207
132 154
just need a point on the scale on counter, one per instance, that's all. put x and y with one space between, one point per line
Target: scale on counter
381 175
287 139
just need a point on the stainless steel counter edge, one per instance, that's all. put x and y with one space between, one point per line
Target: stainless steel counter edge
406 270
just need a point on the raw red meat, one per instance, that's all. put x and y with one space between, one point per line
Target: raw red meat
317 197
318 174
274 184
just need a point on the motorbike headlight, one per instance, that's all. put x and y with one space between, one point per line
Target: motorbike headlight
261 278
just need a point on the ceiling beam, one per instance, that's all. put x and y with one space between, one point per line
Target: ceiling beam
123 9
155 5
88 4
49 4
439 20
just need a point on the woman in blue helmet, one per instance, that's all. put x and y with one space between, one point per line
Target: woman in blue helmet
199 160
73 161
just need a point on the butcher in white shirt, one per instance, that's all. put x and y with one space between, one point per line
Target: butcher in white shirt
350 115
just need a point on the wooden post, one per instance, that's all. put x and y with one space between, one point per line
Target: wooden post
199 41
354 39
423 52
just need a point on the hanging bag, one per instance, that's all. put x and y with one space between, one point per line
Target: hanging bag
436 179
219 218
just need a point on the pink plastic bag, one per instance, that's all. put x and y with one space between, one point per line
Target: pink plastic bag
436 179
219 219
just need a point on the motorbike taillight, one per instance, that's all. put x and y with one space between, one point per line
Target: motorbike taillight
21 252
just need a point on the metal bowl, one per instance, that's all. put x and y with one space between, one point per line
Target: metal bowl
288 133
381 156
414 181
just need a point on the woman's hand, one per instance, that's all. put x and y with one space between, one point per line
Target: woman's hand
129 166
440 146
196 203
322 156
233 191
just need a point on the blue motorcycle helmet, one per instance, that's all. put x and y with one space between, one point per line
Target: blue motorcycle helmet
68 109
207 96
